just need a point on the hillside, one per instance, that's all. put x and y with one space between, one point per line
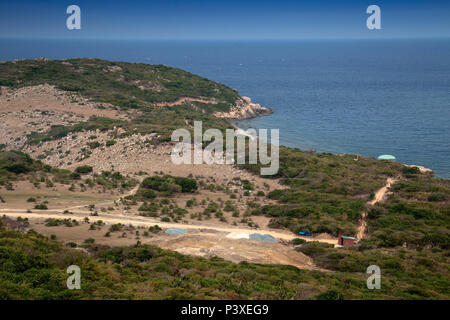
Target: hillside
85 153
128 85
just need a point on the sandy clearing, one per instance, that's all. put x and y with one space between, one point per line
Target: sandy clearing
203 243
236 250
145 221
48 97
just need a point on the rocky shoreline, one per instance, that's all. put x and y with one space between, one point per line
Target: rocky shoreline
244 109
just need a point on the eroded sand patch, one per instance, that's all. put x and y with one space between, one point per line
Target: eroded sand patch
196 243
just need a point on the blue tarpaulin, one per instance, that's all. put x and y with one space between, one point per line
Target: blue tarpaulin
262 237
176 231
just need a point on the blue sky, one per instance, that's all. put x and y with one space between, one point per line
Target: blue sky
230 19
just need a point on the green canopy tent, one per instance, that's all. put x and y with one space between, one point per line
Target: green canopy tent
386 157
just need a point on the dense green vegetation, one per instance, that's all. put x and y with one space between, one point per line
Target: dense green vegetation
416 214
34 267
407 236
15 165
326 193
406 273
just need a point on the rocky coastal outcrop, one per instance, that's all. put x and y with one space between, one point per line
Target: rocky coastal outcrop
422 169
244 109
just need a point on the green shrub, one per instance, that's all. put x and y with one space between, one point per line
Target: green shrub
186 184
94 144
148 194
110 143
410 170
71 244
435 197
330 295
298 241
84 169
154 229
168 184
153 207
116 227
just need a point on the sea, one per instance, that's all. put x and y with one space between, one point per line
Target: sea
367 97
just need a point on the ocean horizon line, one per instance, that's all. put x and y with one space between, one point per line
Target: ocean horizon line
314 39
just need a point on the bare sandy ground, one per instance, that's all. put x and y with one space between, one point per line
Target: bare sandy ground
47 97
38 107
198 242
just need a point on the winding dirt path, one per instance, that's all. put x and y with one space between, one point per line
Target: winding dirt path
182 100
379 197
130 193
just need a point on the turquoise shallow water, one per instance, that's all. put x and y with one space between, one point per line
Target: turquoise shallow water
362 97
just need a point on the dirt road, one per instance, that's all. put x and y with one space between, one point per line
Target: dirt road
145 221
379 196
182 100
80 215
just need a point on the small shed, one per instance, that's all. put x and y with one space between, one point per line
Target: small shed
346 241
